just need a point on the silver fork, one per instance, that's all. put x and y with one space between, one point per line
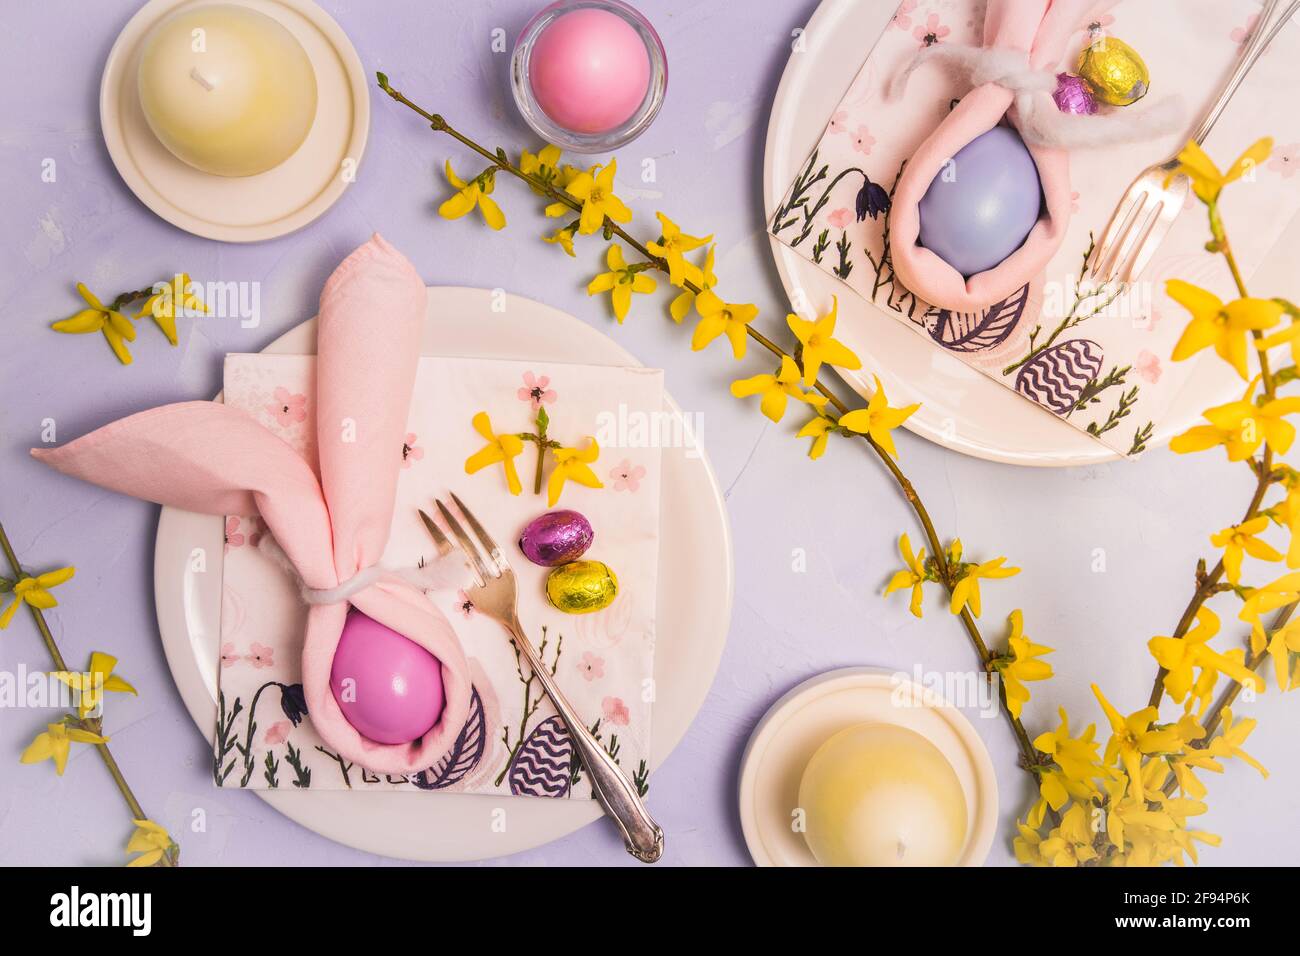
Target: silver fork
1148 209
496 595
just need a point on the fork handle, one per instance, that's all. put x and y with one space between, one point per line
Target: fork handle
642 836
1259 40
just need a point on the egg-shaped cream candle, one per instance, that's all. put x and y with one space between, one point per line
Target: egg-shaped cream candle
882 795
227 89
388 687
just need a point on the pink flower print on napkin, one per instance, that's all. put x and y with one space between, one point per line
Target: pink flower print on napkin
259 655
536 391
288 408
591 666
836 124
1148 366
1286 160
277 733
411 452
615 711
863 141
1240 35
627 476
931 32
228 656
235 536
902 17
840 218
234 539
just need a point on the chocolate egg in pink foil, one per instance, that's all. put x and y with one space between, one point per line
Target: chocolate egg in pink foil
388 687
555 538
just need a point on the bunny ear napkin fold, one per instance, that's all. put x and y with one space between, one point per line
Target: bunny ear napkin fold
1012 76
208 458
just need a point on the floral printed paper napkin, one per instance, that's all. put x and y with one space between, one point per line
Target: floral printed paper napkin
513 742
1095 357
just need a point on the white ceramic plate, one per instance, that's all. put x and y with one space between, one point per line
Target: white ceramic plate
801 721
695 548
247 208
961 408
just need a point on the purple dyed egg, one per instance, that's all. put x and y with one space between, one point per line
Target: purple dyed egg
983 204
388 687
555 538
1074 95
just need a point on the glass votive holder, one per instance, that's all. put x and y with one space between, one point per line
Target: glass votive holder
578 78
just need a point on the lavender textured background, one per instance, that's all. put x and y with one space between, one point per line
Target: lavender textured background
726 58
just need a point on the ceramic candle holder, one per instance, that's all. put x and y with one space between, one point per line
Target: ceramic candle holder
589 75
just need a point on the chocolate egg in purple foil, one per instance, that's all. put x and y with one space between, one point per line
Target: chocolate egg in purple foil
555 538
1074 95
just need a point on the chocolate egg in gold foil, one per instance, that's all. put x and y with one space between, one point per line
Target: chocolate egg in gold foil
581 587
1115 71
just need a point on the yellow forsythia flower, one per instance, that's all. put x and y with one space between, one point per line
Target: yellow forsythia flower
1076 761
1071 843
1284 643
472 194
819 430
499 448
1240 540
819 344
721 318
672 248
680 307
620 282
56 743
1133 738
151 841
878 419
172 299
1224 327
776 390
100 318
1181 656
1242 426
1027 846
35 591
92 684
595 190
571 464
967 590
1022 666
1207 180
1260 601
1230 739
562 238
544 165
912 576
1287 513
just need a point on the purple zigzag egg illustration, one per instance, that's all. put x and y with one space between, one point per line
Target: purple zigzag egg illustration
977 331
542 765
464 754
1056 377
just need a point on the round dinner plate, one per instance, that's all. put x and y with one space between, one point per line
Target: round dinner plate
961 408
242 208
801 721
695 558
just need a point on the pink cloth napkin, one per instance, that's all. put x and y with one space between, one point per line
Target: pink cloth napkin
209 458
1042 28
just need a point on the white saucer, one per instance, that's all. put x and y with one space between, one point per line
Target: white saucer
803 719
248 208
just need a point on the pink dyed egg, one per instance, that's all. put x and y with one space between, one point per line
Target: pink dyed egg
388 687
589 70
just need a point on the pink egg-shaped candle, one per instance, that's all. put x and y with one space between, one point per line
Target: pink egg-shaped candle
589 74
589 70
388 687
